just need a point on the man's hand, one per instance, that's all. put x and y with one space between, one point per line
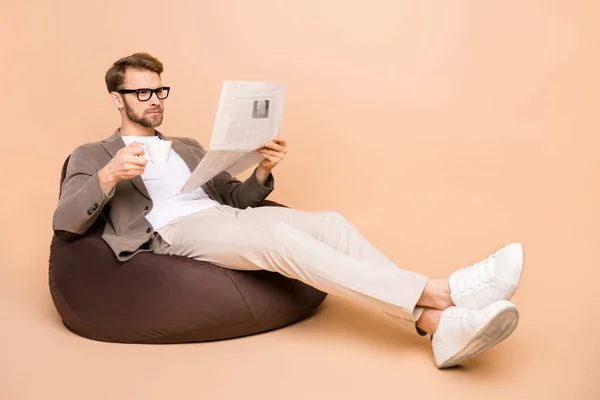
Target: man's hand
274 152
126 164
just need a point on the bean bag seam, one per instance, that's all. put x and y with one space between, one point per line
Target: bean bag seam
271 328
227 273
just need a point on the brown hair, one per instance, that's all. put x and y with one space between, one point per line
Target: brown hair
116 74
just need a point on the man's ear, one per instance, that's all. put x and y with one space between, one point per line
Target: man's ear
117 100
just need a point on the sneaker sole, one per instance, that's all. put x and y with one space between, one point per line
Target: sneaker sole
501 326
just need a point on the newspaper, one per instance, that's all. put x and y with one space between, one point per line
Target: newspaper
249 115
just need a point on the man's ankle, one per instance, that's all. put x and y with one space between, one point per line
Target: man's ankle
429 320
436 295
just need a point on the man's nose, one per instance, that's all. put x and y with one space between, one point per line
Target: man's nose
154 100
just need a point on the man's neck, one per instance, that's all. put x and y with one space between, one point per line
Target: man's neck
131 129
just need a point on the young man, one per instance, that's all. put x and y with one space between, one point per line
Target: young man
466 313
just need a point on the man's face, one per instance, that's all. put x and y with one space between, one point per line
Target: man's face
149 113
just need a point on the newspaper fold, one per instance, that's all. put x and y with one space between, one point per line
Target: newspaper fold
249 115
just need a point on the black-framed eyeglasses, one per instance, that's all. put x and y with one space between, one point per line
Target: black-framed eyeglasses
145 94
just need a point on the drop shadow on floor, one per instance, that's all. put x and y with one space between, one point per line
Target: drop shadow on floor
340 318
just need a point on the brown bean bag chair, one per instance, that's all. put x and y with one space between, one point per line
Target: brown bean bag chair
156 298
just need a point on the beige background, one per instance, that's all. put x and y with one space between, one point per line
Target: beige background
441 129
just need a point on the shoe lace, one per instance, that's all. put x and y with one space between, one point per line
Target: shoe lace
475 275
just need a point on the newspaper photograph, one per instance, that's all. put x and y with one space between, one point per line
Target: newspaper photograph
249 114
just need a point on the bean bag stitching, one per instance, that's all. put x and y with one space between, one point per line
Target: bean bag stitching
301 312
227 273
303 315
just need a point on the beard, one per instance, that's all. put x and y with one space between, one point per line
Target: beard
143 120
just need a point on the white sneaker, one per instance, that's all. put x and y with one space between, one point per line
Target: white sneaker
463 334
495 278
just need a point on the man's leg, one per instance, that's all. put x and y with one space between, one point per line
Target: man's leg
241 239
474 287
330 228
337 232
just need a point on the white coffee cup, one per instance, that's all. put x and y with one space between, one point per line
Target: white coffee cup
158 150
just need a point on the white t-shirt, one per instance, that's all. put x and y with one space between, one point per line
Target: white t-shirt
164 182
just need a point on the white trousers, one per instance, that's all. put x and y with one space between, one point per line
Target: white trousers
321 249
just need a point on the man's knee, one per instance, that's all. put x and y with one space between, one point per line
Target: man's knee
335 218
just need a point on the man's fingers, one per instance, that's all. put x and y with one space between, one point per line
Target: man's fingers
137 160
275 146
279 140
133 148
137 150
128 167
271 153
274 160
